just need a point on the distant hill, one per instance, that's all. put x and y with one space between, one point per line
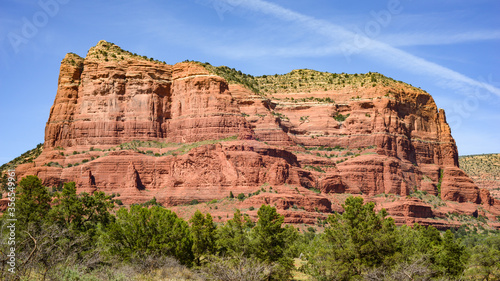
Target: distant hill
484 169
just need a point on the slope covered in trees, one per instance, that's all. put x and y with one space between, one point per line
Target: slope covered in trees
62 235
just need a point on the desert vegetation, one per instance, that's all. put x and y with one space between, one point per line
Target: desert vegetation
62 235
109 51
485 166
303 80
484 169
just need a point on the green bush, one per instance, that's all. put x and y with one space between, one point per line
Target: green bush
241 196
341 118
143 231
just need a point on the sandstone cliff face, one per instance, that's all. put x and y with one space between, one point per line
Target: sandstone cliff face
125 124
111 102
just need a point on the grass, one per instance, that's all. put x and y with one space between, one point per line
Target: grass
297 274
120 272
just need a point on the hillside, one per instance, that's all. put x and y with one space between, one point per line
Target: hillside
484 170
191 133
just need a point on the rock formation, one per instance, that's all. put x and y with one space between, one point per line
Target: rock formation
126 124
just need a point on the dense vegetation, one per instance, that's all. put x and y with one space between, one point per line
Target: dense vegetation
62 235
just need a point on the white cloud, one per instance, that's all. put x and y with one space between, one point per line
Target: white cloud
352 43
441 38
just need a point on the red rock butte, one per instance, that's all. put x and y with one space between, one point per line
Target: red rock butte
129 125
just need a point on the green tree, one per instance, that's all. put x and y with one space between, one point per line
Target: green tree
484 262
33 201
202 235
271 241
145 231
97 209
241 196
353 241
67 208
81 212
233 238
419 242
450 256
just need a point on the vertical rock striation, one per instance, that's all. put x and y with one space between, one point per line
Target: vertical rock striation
127 124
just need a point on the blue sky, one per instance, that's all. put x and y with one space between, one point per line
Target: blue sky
448 48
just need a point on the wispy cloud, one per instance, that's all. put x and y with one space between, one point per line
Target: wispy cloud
439 38
352 43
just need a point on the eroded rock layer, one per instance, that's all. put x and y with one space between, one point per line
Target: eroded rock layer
126 124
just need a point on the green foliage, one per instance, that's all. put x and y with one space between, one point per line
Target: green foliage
33 201
484 262
450 256
79 229
360 243
438 187
356 239
26 157
83 212
233 76
152 202
315 168
233 238
143 231
341 118
241 196
486 166
271 241
304 119
202 235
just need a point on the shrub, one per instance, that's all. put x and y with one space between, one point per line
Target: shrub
145 231
241 196
340 118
